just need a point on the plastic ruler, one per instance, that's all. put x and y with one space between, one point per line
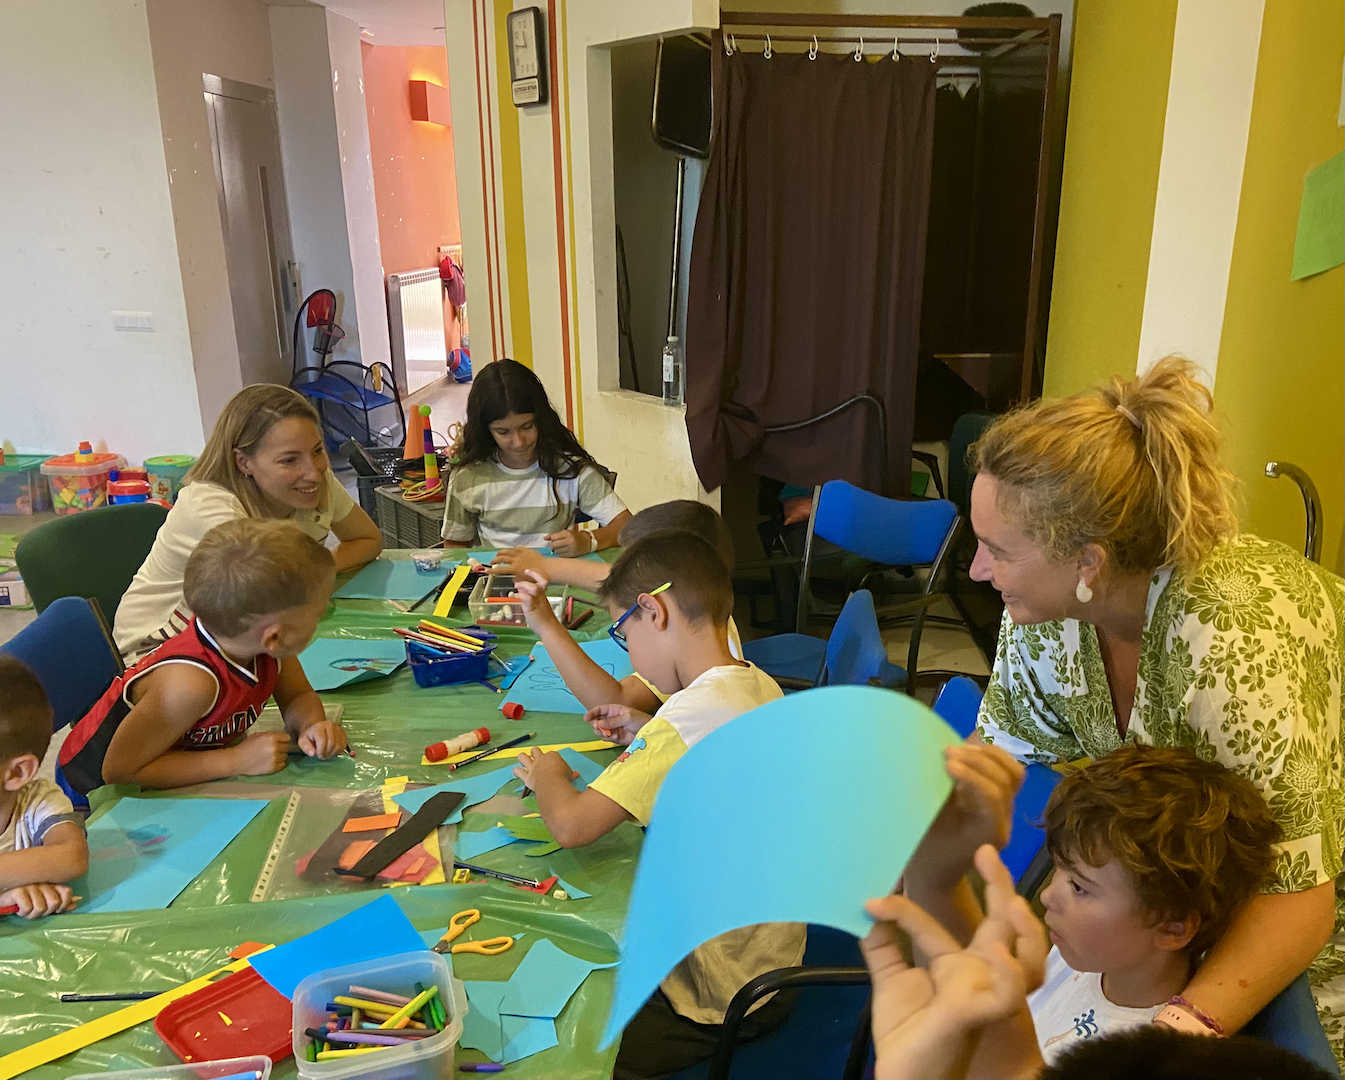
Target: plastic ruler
273 856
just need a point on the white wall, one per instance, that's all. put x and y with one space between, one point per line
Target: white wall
87 228
189 38
1215 47
324 144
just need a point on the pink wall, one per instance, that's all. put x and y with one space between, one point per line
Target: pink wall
414 182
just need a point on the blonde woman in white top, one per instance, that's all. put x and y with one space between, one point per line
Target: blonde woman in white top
265 459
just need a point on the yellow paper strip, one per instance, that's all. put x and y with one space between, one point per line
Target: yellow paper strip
67 1042
514 751
450 592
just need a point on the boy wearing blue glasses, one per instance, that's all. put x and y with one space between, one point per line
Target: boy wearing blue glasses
670 596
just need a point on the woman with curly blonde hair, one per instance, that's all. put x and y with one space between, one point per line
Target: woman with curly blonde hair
1135 612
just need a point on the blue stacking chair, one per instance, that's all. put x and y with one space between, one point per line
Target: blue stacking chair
887 532
854 654
70 650
1025 854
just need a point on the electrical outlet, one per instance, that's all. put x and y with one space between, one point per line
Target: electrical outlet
133 320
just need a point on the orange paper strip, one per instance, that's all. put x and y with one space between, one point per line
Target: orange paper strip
368 824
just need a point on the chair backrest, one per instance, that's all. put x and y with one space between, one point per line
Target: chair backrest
855 649
895 532
93 554
70 650
966 431
958 703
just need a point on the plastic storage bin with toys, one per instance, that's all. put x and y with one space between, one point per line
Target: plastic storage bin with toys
79 480
23 489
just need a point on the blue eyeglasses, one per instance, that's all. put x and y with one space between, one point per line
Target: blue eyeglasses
616 633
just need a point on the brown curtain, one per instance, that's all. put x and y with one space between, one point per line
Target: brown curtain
806 265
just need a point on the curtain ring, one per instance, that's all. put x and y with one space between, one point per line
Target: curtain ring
934 56
812 53
896 53
859 50
766 52
728 49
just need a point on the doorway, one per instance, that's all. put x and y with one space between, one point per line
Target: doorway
245 145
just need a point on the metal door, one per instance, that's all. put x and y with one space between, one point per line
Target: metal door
262 285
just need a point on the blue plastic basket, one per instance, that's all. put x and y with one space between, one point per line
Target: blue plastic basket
431 668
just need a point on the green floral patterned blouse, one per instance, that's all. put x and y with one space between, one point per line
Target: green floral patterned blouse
1240 661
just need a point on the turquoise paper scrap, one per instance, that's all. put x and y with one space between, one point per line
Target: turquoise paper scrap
391 579
545 981
370 932
143 852
588 769
857 805
574 892
541 688
477 789
503 1039
330 663
471 844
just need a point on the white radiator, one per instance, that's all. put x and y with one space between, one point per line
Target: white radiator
416 319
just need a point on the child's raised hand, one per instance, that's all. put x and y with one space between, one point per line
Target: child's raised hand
262 752
517 561
927 1020
537 769
616 723
34 901
531 589
571 543
979 811
323 739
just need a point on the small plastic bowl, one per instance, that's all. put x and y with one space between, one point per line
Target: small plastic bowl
427 561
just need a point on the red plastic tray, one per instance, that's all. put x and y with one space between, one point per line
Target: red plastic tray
194 1029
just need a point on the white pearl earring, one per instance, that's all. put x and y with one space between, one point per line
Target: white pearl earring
1083 592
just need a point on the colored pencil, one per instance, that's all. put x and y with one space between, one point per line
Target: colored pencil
496 874
137 996
491 749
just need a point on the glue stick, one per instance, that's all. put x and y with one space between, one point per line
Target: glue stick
441 750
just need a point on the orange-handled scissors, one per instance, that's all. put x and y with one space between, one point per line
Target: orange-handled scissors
459 923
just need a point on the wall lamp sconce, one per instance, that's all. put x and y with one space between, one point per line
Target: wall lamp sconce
429 102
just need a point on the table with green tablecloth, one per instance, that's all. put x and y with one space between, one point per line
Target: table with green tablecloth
389 722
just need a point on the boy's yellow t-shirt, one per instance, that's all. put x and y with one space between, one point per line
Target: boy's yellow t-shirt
701 986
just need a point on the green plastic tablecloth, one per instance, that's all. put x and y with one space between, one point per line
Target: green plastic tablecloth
389 722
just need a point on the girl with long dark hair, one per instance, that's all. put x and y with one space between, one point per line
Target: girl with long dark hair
522 475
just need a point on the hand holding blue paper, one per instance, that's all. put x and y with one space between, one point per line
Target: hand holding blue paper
759 792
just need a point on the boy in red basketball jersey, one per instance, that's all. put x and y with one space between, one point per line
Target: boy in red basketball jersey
181 715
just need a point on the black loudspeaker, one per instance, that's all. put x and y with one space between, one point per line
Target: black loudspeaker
682 95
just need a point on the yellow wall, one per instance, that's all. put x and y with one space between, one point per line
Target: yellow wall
1280 389
1113 144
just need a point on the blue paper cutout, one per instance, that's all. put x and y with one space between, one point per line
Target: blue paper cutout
545 980
143 852
477 789
502 1038
330 663
514 667
588 769
471 844
858 806
541 688
391 579
574 892
370 932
